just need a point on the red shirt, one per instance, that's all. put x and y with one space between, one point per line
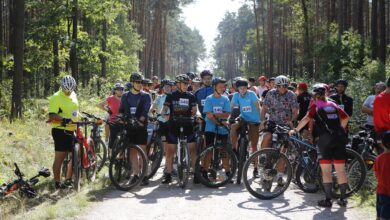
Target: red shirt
382 112
382 173
114 104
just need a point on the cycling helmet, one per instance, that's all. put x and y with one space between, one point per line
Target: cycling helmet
182 78
205 73
319 89
217 80
381 86
191 75
252 79
197 80
342 82
155 78
241 82
118 86
147 82
271 79
165 82
68 83
128 86
281 80
235 80
136 77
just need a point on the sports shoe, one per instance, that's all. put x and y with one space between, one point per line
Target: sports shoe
145 182
135 179
167 178
342 202
280 179
255 173
327 203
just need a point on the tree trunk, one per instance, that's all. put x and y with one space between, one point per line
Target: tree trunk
103 58
382 32
1 41
271 39
73 47
16 105
163 46
257 37
374 29
307 62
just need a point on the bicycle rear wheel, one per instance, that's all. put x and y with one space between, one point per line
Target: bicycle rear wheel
101 153
92 169
221 168
128 166
155 152
356 173
76 166
306 177
275 174
241 158
183 165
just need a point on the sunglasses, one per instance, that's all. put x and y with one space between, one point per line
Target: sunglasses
119 89
137 82
281 86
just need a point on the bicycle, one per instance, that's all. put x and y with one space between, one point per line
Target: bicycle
25 187
219 161
126 157
154 148
182 152
99 145
273 167
364 143
243 142
83 154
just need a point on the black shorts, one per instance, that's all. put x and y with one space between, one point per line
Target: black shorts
382 206
209 136
330 148
114 130
63 139
174 132
138 136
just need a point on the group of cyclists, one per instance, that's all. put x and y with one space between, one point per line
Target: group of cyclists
319 114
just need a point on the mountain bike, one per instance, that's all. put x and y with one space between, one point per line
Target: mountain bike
154 148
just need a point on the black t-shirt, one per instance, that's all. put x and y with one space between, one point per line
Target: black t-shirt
265 93
344 102
135 105
180 103
303 101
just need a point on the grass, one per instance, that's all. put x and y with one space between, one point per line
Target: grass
28 142
366 197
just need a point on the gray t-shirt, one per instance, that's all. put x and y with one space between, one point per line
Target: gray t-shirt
369 103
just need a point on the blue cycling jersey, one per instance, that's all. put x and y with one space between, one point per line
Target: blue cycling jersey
201 96
247 103
216 105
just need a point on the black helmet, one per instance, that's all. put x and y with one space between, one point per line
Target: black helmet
191 75
182 78
205 73
128 86
196 80
136 77
319 89
217 80
147 82
342 82
118 86
241 82
166 82
235 80
252 79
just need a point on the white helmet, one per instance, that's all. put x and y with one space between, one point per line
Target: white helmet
68 83
281 80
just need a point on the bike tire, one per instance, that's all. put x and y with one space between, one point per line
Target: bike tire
92 169
121 161
353 159
155 152
76 166
304 176
183 166
241 159
101 154
254 192
233 166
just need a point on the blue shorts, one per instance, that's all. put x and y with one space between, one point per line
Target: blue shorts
383 206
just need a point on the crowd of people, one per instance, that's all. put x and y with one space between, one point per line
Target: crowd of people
320 113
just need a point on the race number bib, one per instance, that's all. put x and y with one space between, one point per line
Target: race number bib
247 109
342 107
217 110
202 102
184 102
133 110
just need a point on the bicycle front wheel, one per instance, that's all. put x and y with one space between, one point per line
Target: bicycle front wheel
216 166
76 166
155 152
183 165
128 166
101 154
275 173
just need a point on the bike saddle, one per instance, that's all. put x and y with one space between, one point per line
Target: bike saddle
45 172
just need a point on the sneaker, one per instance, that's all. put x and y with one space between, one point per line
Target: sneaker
167 178
196 179
135 179
267 185
67 184
228 173
327 203
174 172
280 180
145 182
342 202
205 175
212 174
255 173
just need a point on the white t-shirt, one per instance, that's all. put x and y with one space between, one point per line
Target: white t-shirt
260 90
369 103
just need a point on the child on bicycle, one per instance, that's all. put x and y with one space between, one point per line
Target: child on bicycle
382 171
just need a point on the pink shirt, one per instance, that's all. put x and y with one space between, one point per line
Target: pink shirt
114 104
